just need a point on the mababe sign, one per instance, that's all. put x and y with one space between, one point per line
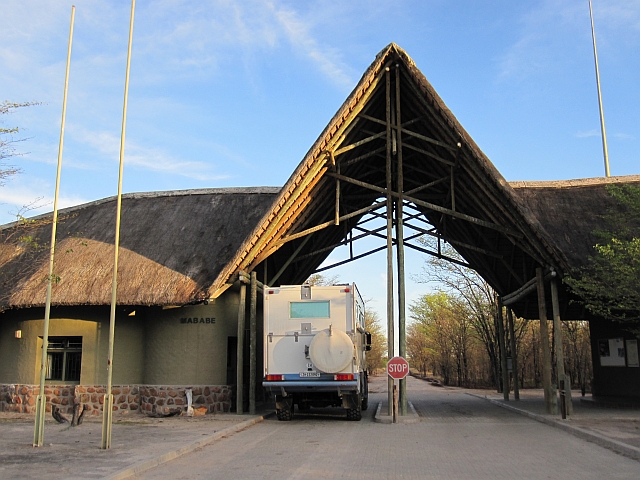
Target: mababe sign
397 368
206 321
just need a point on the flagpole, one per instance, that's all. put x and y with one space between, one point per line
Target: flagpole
41 400
107 406
604 132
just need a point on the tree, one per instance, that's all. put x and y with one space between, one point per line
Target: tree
317 279
377 355
440 334
19 240
609 286
480 299
8 140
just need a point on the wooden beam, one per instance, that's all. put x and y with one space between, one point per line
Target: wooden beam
359 143
430 206
253 346
363 157
357 257
514 354
429 154
544 342
289 260
325 224
242 305
427 185
503 353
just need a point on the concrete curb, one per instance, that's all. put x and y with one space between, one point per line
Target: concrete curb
412 417
609 443
167 457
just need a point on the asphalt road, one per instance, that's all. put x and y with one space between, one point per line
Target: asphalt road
459 437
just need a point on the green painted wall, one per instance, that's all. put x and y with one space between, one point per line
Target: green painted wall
154 346
179 353
20 358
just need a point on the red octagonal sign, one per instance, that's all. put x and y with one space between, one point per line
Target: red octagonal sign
397 368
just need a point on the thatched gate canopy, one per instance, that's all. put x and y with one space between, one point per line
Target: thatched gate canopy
450 191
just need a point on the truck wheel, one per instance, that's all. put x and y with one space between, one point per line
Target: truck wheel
284 414
355 414
365 394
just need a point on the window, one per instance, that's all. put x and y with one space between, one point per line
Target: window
64 358
309 309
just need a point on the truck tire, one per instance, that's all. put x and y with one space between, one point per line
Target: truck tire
284 414
365 393
365 403
355 414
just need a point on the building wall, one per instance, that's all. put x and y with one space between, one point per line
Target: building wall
616 381
154 346
20 357
188 345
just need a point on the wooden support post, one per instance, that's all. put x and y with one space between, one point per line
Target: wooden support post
402 340
557 329
503 352
242 307
390 326
514 354
337 217
544 342
253 344
395 402
265 279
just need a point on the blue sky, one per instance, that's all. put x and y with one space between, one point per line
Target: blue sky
229 93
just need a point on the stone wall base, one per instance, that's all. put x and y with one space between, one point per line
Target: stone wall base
128 399
161 399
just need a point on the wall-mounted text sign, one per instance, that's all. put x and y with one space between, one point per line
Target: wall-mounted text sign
208 320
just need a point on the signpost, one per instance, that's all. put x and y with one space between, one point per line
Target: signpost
397 369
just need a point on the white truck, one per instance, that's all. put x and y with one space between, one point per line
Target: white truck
314 348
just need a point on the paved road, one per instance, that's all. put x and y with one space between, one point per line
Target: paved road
459 437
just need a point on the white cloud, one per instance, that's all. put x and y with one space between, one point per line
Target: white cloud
624 136
327 59
587 134
29 198
547 28
154 159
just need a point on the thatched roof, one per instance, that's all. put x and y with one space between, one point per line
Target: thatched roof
181 247
173 245
503 239
570 210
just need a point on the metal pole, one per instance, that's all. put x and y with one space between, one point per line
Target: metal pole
605 150
402 344
107 407
41 400
390 326
242 308
503 352
252 344
544 341
514 354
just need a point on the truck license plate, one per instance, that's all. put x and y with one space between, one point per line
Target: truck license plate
310 374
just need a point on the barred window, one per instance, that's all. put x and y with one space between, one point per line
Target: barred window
64 358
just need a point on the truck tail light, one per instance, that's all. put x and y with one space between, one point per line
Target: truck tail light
344 376
274 378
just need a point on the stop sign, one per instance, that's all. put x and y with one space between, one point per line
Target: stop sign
397 368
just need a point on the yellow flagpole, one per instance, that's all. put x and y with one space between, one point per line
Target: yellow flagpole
108 397
41 401
605 150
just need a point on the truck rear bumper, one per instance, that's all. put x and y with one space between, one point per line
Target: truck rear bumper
312 386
